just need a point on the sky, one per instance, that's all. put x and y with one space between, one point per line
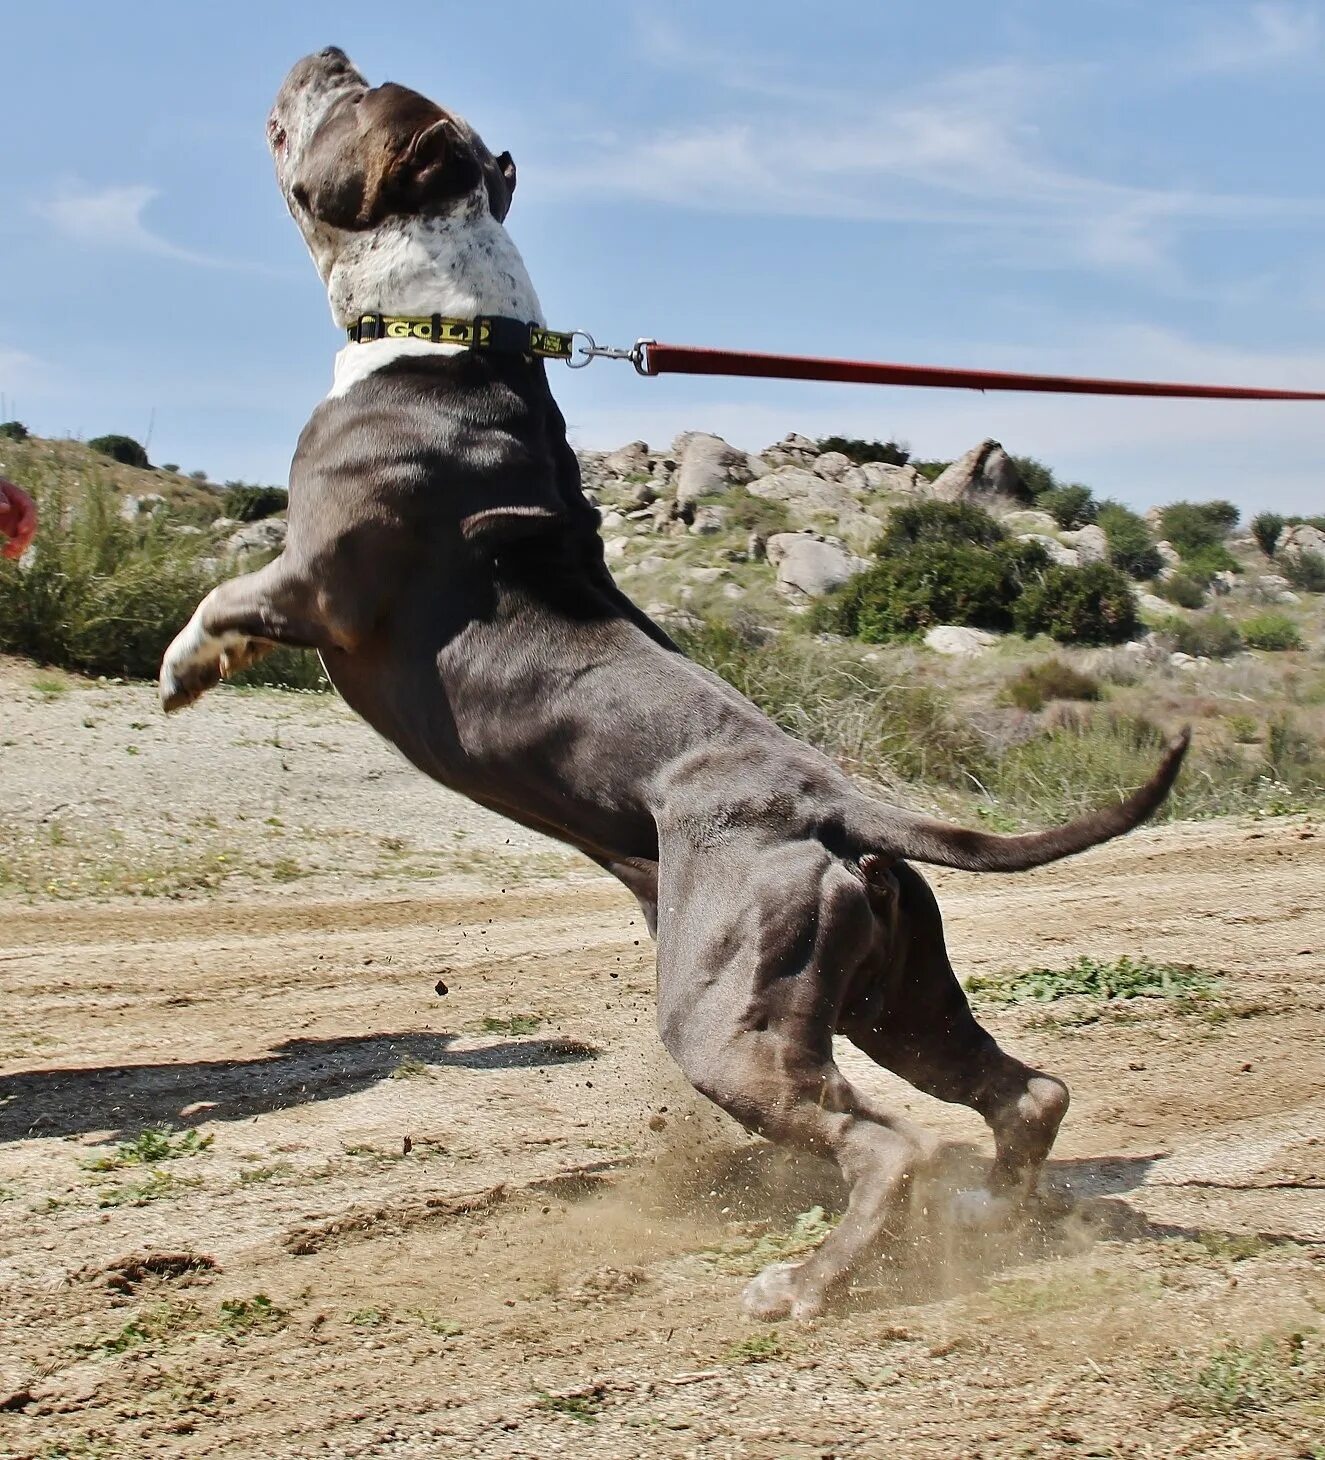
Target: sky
1111 187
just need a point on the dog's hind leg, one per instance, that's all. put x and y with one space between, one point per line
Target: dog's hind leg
751 971
912 1017
238 622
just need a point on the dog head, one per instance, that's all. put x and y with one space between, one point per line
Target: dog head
350 156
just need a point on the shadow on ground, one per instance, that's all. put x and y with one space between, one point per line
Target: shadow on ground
122 1099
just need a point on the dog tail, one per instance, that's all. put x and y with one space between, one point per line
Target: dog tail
922 839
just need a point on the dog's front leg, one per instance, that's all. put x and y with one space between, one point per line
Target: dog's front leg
236 624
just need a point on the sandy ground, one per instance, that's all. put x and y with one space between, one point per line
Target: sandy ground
494 1223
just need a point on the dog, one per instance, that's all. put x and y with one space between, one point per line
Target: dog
443 560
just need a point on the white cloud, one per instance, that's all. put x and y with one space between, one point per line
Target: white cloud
1265 36
112 218
966 152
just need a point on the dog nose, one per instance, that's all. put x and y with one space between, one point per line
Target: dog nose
335 55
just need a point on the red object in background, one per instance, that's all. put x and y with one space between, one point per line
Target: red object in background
18 519
689 360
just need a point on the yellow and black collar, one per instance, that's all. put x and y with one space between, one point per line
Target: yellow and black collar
486 332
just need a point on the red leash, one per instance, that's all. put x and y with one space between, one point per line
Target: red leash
651 358
687 360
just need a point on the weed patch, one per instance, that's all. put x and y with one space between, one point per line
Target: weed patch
156 1143
1092 978
584 1407
759 1348
748 1252
512 1024
242 1317
1244 1378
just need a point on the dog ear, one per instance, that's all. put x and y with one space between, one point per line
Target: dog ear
438 164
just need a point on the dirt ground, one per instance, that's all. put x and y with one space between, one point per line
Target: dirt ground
392 1222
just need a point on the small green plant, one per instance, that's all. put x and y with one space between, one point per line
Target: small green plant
1273 631
1093 978
512 1024
749 513
146 1326
123 449
156 1143
155 1186
248 503
368 1318
1089 605
1205 636
240 1317
861 451
1181 588
584 1407
1245 729
1265 528
1071 505
750 1253
1131 548
1051 679
1305 571
1244 1378
759 1348
1192 526
410 1068
256 1175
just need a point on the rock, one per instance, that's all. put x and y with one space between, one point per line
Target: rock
614 548
807 496
883 476
708 464
612 518
757 466
1168 554
1092 544
792 450
708 520
985 471
643 494
1149 603
756 547
626 461
1179 659
810 565
267 536
956 640
1065 557
732 590
707 575
832 465
132 508
1030 519
1223 584
1300 539
651 563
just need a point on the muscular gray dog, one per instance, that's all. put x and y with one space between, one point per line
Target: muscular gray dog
444 562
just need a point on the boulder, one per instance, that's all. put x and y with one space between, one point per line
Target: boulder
1168 554
708 464
985 471
1092 544
643 494
956 640
792 450
1065 557
267 536
708 520
1156 607
810 565
807 496
626 461
613 519
883 476
1300 539
1030 519
132 508
832 465
614 548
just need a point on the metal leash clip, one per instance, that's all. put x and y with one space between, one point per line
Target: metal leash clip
591 350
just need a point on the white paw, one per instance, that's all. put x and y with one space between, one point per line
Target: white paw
980 1210
193 663
774 1293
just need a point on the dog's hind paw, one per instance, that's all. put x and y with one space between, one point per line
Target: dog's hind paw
980 1210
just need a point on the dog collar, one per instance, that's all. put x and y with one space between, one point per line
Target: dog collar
486 332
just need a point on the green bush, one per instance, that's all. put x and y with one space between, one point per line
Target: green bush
1035 476
123 449
1093 604
1131 548
956 524
1271 631
1191 526
13 431
1202 564
934 583
1051 679
1071 506
1207 635
100 595
891 452
1182 589
171 466
247 503
1305 571
1265 528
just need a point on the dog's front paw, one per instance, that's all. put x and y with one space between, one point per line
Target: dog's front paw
192 665
979 1210
775 1293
